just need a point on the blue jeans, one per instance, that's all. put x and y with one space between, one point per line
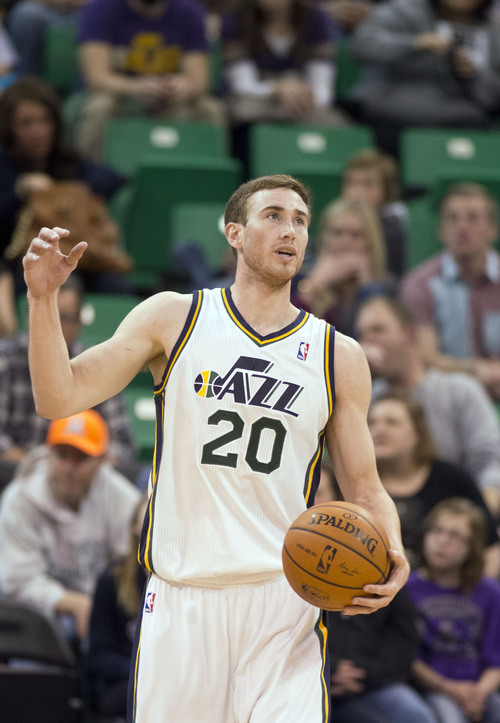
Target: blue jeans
398 703
27 22
449 712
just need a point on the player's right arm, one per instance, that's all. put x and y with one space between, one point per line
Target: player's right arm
64 386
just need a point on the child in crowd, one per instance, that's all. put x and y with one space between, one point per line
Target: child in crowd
458 609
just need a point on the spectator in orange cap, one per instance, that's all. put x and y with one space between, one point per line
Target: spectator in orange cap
63 519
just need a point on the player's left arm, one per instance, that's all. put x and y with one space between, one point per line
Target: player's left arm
351 450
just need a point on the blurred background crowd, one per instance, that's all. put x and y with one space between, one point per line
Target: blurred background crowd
131 122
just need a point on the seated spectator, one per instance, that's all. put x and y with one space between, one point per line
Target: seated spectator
371 175
414 476
142 58
460 415
458 609
33 155
279 62
428 63
455 295
28 21
8 318
115 608
350 264
65 516
348 13
367 685
8 58
21 429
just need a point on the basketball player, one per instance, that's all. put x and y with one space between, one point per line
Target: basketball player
247 388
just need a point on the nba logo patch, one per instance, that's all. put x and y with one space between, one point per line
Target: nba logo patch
150 601
303 350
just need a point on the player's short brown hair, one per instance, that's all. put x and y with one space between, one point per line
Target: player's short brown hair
237 206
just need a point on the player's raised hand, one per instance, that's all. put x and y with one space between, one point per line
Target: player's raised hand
46 268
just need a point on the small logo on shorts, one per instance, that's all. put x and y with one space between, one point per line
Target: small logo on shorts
150 601
303 350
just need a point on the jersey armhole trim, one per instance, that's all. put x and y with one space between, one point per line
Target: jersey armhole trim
187 329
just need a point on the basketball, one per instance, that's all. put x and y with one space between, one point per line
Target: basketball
331 551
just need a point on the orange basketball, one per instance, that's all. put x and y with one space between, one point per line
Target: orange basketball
331 551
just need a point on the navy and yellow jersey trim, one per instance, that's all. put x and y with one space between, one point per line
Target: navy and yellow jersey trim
329 366
322 633
186 332
313 473
146 544
259 340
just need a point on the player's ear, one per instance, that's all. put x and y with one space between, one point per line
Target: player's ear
234 234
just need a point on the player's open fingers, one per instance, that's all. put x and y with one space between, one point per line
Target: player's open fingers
52 234
76 253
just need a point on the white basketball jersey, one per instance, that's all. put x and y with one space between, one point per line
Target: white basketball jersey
240 434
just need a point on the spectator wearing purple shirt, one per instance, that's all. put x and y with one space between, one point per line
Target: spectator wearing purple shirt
142 57
458 609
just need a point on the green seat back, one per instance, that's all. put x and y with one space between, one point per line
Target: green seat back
434 160
204 224
141 409
158 188
348 70
60 58
129 140
315 155
102 314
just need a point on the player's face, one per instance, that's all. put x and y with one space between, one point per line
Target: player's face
393 433
446 543
364 184
467 229
272 244
71 474
33 129
378 327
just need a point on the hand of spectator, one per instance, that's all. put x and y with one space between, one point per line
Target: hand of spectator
79 606
462 63
475 703
295 96
488 373
177 88
148 89
461 691
346 265
347 679
492 498
432 42
28 182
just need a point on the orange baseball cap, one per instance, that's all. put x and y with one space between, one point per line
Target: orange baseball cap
86 431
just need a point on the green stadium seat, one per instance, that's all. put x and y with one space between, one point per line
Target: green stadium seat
158 188
102 313
141 408
434 159
129 140
60 58
463 155
314 154
204 224
348 70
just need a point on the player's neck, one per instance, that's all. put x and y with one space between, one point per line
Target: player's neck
265 309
